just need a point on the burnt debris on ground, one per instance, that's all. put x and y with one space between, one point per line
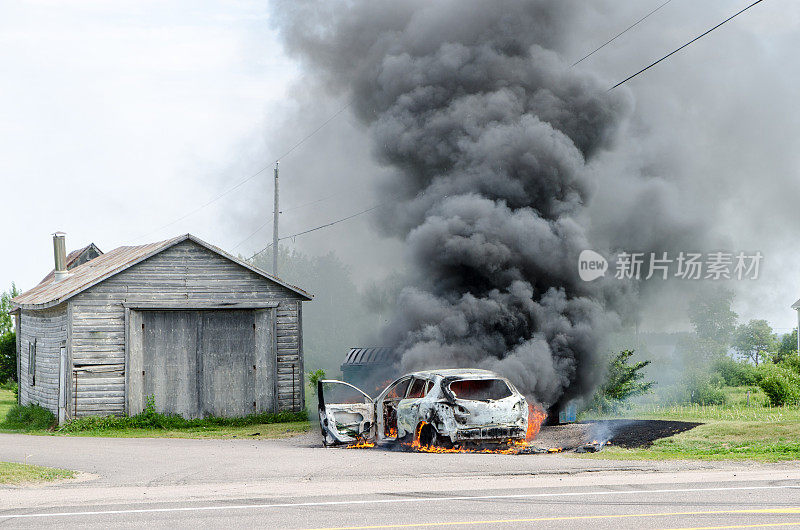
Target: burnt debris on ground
584 437
632 434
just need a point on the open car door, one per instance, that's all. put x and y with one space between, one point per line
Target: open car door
346 413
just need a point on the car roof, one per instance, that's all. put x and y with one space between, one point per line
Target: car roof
458 372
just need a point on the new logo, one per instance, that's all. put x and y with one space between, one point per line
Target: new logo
591 265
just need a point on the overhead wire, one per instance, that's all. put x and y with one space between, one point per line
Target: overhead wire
253 175
621 33
320 227
684 46
261 227
323 199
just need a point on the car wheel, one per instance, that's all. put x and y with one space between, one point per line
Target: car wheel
429 436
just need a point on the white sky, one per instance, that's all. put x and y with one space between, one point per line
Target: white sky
117 117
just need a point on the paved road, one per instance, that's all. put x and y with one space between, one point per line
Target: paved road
296 484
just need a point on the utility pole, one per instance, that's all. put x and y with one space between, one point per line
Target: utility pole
275 227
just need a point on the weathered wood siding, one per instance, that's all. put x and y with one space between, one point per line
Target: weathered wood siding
183 274
48 328
290 362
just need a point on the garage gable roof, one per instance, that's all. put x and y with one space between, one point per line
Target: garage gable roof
115 261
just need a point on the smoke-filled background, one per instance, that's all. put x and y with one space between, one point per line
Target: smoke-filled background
128 117
496 147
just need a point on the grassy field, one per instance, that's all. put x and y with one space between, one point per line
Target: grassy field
257 431
734 431
13 474
7 400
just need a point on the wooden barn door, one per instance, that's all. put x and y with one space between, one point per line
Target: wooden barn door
202 362
228 369
170 360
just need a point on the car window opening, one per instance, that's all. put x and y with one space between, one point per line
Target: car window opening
342 394
418 389
480 389
398 391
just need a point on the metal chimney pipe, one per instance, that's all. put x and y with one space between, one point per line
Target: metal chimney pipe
60 255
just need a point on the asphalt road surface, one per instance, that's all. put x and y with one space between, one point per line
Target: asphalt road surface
164 483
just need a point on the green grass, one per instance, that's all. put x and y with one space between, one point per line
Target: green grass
153 425
7 400
12 473
734 431
264 431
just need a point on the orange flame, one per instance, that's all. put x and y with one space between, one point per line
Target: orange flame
361 444
416 444
513 447
536 417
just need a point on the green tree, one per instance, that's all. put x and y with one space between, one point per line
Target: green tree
787 347
713 320
754 340
623 381
8 339
6 322
8 357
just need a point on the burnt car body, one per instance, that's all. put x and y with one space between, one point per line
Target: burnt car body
438 407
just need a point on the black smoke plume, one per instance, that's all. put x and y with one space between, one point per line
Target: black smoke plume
492 137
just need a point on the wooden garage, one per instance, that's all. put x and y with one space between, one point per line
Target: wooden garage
181 321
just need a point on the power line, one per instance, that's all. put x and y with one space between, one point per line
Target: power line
215 199
685 45
320 227
257 230
252 176
621 33
323 199
315 131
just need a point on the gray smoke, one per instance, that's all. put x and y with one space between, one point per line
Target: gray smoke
497 147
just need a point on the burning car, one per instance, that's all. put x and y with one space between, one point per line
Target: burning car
434 407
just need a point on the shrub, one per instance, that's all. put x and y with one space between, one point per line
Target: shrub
791 363
29 417
150 419
315 377
736 373
8 357
623 381
781 386
705 391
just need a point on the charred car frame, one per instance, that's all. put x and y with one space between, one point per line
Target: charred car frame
436 407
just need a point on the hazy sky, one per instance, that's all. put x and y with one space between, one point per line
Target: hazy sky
117 118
